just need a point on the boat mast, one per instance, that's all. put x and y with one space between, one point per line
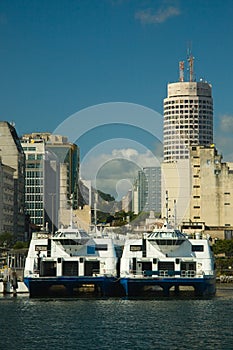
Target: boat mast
71 210
166 199
95 210
175 214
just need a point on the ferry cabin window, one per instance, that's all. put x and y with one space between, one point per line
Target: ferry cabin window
90 249
198 248
135 248
97 247
101 247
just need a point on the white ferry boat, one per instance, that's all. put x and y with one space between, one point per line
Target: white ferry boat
166 259
70 262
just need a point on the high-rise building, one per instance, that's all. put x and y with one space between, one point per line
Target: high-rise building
67 154
13 156
188 115
188 121
41 182
149 189
52 165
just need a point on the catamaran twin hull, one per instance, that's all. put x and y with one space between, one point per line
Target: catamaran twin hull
112 287
72 286
153 286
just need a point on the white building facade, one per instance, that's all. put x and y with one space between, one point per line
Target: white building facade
188 118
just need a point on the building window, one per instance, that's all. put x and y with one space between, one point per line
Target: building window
198 248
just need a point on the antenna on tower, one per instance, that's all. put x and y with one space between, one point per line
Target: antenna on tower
191 67
181 69
191 63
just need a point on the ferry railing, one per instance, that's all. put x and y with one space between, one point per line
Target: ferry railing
168 273
106 272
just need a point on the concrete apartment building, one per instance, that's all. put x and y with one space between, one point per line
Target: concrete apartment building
211 200
12 155
6 198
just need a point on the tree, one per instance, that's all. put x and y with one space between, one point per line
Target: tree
6 239
20 245
222 246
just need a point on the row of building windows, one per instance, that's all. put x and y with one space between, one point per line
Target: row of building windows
34 165
189 101
35 213
188 119
34 182
176 152
194 108
186 113
34 205
33 197
35 189
175 141
38 174
34 156
183 133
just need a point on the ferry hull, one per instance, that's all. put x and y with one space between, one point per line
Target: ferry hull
140 286
71 287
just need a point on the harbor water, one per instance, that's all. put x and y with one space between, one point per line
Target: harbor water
115 323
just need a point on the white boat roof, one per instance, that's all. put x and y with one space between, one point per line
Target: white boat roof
166 232
70 232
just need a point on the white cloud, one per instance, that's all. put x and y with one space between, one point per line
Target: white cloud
226 123
224 145
224 138
150 16
92 164
113 172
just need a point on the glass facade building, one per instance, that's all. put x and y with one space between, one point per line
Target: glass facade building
149 189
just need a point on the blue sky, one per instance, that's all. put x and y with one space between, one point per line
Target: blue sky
58 57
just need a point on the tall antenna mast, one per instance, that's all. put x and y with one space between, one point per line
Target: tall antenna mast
181 69
191 63
191 67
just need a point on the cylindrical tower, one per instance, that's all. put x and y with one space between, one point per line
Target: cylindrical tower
188 118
